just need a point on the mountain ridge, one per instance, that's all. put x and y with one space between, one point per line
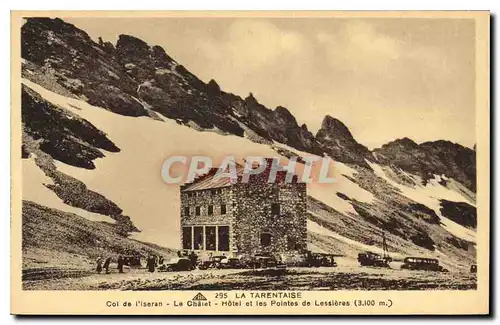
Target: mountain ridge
392 188
135 79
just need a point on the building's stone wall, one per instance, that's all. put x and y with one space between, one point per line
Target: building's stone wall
203 199
254 216
249 215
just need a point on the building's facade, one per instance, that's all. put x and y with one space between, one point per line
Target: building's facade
243 218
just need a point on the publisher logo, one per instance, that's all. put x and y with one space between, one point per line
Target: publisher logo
199 297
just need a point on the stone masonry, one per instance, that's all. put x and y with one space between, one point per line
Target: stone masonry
244 218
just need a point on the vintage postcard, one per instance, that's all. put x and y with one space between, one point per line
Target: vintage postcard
249 163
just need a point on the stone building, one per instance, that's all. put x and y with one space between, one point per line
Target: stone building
239 218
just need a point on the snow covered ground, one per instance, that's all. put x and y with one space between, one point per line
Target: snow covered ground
34 189
131 178
318 229
327 193
430 195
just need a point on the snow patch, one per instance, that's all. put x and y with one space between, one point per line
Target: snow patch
131 178
34 189
318 229
429 196
327 193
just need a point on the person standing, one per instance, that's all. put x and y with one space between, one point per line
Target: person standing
120 264
193 258
99 265
106 264
151 263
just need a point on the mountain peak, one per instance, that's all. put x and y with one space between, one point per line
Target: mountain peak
129 40
213 87
284 114
403 142
250 99
160 56
333 126
335 139
431 158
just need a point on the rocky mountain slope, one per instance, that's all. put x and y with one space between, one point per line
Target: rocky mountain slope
54 238
115 111
431 158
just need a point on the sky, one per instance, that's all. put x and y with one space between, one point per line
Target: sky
385 78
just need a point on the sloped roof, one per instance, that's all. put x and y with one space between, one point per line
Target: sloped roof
208 180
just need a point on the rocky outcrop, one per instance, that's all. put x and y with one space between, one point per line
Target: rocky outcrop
64 136
459 161
335 139
123 78
431 158
80 65
462 213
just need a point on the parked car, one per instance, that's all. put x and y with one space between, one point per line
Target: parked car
320 259
177 264
213 262
373 259
264 261
231 263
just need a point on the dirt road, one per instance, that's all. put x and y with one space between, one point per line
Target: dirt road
323 278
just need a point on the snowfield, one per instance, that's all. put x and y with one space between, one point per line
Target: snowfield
318 229
132 177
430 195
34 189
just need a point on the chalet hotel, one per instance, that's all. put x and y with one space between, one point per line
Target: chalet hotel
238 218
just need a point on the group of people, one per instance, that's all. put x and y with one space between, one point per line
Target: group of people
105 266
152 262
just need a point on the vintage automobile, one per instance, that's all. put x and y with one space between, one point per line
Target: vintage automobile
373 259
422 263
321 259
212 263
177 264
231 263
263 261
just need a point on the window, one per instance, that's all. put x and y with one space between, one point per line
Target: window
210 238
275 209
186 211
198 238
223 238
265 239
186 237
197 211
222 209
210 210
292 244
